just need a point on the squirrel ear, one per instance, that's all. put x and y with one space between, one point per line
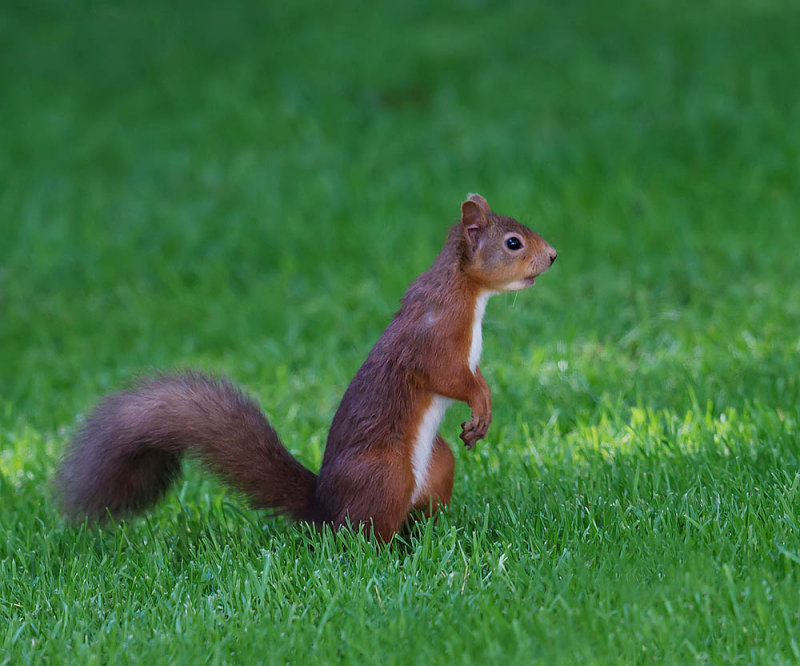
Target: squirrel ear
473 220
478 199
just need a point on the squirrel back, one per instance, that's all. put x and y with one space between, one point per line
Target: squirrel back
384 456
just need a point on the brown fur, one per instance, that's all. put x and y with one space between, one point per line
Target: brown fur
129 449
439 486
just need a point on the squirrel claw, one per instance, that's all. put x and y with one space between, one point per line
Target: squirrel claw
472 431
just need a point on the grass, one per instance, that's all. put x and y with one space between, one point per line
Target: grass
248 191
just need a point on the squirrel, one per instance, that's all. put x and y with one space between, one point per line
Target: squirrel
384 456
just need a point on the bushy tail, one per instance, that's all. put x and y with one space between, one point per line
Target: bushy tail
129 449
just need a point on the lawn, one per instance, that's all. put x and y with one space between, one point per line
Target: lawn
247 189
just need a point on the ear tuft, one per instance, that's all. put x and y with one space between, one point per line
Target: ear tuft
473 221
478 199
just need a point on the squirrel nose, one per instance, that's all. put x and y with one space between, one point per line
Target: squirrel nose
553 255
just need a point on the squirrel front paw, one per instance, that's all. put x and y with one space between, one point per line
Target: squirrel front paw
472 431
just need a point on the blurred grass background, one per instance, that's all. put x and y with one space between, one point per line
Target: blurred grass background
248 189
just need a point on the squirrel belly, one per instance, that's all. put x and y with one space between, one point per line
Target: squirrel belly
432 416
422 447
384 456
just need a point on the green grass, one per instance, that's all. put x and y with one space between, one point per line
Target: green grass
248 191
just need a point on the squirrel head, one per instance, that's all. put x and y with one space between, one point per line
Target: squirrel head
501 254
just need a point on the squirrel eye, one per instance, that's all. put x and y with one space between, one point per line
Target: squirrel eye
513 243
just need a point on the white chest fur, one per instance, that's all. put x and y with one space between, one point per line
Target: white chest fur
476 345
432 418
423 444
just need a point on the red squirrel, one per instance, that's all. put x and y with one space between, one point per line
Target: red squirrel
384 457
